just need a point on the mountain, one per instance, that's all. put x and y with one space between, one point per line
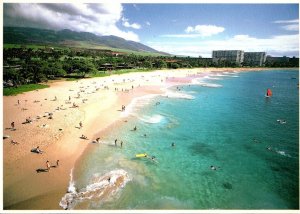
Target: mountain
22 35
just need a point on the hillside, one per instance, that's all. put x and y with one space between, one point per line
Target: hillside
20 35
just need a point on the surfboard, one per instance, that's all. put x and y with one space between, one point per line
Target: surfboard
141 155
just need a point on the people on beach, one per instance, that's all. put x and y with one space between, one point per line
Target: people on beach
48 165
97 139
123 108
83 137
134 129
69 98
12 125
80 124
28 120
14 142
18 102
57 163
116 142
121 144
37 150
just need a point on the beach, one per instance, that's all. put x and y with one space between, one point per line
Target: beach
28 184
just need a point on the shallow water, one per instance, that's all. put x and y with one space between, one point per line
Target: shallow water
222 120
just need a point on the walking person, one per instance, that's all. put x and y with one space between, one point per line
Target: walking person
12 125
116 142
48 165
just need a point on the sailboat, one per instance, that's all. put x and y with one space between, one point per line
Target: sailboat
269 93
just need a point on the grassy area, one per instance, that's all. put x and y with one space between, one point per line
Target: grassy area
33 46
124 71
121 71
72 79
22 88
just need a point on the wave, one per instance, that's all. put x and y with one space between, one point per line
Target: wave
100 188
283 153
157 118
136 103
198 81
180 95
212 78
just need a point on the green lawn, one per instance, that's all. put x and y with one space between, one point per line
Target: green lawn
22 88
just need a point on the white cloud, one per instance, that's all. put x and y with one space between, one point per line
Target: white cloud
125 23
291 25
276 46
100 19
205 30
148 23
181 35
287 21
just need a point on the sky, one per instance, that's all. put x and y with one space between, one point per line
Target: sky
194 29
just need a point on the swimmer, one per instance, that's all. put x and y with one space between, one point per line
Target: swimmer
213 168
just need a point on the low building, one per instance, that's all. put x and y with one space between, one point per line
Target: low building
254 59
225 57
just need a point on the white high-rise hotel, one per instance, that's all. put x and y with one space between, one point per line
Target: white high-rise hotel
239 57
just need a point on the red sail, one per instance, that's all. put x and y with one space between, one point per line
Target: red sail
269 92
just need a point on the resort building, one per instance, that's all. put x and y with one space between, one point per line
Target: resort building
225 57
254 58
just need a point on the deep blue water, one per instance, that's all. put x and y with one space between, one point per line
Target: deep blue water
218 128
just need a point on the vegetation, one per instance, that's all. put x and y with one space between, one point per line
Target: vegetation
23 88
48 57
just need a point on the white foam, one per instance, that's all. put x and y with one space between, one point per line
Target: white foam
137 103
71 187
175 94
157 118
199 81
212 78
283 153
109 183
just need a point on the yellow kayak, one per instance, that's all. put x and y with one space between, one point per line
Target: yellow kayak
141 155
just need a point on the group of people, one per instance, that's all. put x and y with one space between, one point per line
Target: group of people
48 166
121 143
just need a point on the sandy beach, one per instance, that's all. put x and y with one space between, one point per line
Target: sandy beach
54 127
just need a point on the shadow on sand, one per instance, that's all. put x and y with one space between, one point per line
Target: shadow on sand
41 170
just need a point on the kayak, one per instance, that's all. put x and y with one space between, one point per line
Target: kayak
141 155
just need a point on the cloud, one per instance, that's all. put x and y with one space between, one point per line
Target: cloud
292 25
100 19
276 45
125 23
205 30
148 23
198 31
286 21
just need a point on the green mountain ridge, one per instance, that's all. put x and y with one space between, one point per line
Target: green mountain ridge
24 35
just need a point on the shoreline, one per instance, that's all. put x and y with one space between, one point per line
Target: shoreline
23 187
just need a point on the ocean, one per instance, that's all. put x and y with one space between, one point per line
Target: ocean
233 148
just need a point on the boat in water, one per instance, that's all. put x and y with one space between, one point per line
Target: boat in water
269 93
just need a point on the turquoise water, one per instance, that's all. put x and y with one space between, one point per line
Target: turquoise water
216 127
